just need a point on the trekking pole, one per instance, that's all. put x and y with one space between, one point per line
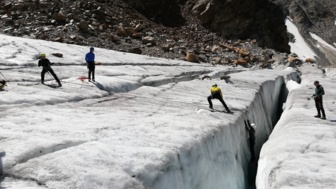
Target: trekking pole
3 76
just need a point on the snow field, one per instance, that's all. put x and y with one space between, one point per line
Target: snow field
143 124
300 152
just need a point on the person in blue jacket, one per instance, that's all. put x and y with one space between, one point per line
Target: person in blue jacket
90 60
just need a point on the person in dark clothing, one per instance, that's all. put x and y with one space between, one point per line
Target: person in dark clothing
90 60
250 128
45 63
319 92
216 93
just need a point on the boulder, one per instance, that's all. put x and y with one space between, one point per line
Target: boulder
115 38
137 35
129 30
59 55
59 17
139 27
165 47
217 60
310 60
244 52
191 57
83 26
58 39
7 6
135 50
120 31
293 59
241 62
149 39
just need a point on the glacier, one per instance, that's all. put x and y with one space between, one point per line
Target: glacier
300 152
144 124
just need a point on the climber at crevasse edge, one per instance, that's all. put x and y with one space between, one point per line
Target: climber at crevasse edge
45 63
319 92
216 93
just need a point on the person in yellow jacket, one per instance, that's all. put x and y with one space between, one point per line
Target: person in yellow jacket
216 93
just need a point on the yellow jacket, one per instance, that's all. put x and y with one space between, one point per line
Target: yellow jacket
215 90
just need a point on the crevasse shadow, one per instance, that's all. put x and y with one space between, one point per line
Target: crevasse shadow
2 154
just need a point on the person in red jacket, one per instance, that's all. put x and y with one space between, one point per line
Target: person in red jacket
216 93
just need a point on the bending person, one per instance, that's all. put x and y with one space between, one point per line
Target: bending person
216 93
45 63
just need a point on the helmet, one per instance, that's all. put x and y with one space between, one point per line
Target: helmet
253 125
316 82
215 85
43 55
91 49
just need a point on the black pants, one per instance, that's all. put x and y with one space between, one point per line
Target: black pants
253 156
51 71
91 67
220 99
319 106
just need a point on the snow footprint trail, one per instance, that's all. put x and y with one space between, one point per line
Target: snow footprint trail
147 138
74 90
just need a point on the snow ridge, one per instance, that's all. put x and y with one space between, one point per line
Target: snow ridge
300 152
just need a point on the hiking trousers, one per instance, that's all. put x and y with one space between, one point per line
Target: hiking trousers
220 99
319 106
51 71
91 66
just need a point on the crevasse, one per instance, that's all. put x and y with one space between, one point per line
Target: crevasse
221 159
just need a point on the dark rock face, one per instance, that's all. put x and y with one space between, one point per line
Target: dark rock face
316 16
215 31
259 19
165 12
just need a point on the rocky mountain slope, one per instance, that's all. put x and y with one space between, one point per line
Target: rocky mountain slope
219 32
316 16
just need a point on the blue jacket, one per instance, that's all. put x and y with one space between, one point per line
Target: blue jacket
90 57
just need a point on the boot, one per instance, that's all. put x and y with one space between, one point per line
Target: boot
318 116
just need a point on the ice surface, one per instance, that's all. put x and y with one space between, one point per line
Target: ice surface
321 41
328 50
331 72
143 124
301 152
300 47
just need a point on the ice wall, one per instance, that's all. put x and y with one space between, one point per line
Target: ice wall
221 158
301 152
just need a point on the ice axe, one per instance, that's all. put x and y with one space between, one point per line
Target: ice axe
4 77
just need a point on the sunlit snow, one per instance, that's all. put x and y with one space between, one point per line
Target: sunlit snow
300 47
144 124
300 152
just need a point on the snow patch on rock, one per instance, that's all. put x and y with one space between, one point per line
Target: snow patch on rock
300 47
